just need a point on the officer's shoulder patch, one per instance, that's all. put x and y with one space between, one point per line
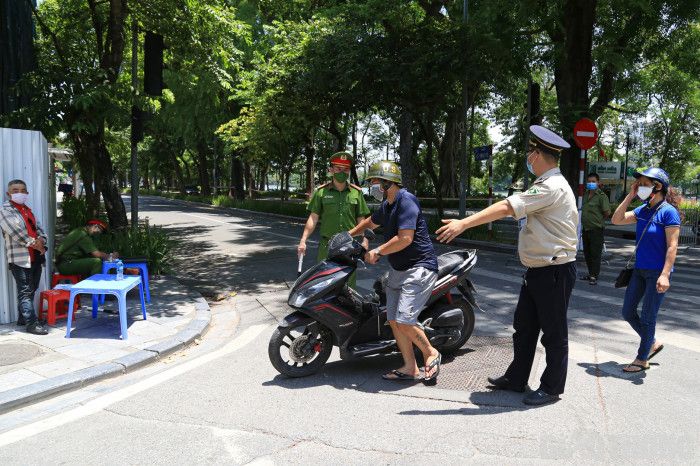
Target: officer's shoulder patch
533 190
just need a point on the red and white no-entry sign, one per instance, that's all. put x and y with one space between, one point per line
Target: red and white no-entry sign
585 133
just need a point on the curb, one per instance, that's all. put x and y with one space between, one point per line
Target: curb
20 396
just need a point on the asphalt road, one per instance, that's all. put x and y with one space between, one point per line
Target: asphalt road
221 402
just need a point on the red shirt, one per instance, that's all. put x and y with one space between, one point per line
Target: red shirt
30 222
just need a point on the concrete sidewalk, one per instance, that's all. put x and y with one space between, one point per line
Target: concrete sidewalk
33 367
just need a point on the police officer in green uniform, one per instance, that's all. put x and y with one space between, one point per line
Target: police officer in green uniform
596 208
78 255
338 204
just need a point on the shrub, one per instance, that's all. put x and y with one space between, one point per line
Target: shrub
293 209
151 242
74 212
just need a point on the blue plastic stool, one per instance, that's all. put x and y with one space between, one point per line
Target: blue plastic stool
143 272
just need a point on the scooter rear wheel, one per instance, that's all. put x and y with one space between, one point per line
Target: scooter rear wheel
298 352
467 330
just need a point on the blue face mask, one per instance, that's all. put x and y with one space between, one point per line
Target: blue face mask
592 186
529 165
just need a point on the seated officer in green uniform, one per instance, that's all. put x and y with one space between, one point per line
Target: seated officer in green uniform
596 208
78 255
339 206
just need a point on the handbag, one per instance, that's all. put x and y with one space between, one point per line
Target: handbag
625 275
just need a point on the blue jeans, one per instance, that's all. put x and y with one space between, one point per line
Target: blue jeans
642 287
27 281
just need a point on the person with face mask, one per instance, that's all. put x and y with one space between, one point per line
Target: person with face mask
25 245
658 228
413 270
596 208
339 205
547 247
78 255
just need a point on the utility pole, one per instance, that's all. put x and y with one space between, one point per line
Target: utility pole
526 176
135 124
627 157
463 152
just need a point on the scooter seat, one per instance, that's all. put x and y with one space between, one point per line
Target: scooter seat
448 262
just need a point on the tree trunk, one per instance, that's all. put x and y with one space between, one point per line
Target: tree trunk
203 168
405 126
309 153
105 181
248 177
573 65
237 190
429 135
84 158
447 154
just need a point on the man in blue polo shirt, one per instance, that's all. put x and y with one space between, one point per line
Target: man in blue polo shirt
413 267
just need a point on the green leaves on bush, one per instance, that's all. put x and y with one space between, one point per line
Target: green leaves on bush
74 212
293 209
151 242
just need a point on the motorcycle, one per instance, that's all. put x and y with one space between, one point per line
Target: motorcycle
329 313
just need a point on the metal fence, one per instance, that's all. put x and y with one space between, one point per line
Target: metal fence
690 228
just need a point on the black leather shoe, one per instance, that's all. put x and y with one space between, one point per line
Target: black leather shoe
540 397
37 329
504 383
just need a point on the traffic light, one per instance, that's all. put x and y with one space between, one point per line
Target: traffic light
153 64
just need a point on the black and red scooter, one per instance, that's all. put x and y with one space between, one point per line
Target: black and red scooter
329 313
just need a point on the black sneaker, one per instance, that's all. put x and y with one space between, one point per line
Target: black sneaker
592 281
584 277
37 329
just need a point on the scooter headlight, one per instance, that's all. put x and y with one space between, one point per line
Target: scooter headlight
299 297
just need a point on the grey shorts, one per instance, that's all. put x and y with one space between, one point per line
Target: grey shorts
407 292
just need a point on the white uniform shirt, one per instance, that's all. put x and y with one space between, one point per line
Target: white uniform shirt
550 235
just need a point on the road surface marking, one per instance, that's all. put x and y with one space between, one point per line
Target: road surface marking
98 404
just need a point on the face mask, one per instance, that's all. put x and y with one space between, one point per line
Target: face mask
529 166
592 186
644 192
19 198
340 177
376 192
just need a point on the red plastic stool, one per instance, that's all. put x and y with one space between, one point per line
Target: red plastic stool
58 278
56 305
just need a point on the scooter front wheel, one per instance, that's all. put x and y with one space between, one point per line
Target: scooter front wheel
300 351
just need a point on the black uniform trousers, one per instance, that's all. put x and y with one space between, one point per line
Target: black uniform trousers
593 249
543 304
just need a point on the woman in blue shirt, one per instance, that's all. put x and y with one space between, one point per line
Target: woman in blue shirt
655 255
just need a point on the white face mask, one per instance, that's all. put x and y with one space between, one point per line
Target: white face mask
377 192
644 192
19 198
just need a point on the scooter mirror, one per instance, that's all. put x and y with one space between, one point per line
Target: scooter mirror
369 234
361 264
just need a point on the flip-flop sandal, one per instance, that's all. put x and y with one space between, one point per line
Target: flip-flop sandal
655 352
398 375
434 364
641 368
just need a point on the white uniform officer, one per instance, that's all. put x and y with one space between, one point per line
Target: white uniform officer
547 247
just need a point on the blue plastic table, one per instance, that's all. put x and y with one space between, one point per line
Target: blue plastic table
143 271
106 284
